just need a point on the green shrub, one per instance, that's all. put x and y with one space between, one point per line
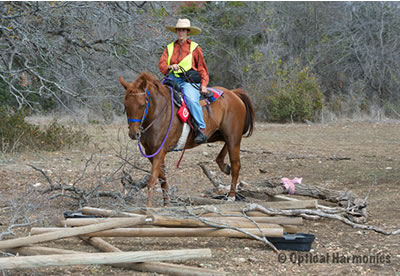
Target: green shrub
293 96
17 135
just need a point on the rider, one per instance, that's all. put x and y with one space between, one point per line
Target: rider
186 54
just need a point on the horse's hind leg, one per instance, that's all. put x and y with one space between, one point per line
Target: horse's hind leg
225 168
234 156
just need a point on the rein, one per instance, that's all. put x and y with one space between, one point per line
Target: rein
188 78
144 117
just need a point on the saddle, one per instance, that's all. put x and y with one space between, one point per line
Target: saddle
206 99
184 113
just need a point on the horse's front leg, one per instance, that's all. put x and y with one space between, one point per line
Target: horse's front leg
156 162
164 184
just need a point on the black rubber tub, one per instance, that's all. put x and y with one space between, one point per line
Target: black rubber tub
297 242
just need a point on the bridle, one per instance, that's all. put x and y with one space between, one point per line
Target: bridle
141 121
148 99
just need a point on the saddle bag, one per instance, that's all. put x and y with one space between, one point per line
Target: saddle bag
183 113
191 76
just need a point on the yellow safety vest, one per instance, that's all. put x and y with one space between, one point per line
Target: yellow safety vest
186 62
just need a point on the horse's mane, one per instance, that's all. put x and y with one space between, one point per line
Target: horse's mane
149 78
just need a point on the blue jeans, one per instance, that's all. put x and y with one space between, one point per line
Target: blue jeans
192 99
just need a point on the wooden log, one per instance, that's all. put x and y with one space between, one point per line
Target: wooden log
158 267
70 232
236 206
170 221
171 232
196 223
74 222
40 250
223 206
102 258
267 188
277 220
346 199
108 213
233 213
101 244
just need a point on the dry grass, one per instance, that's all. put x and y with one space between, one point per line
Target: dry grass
309 151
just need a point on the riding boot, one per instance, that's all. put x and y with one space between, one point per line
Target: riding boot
200 137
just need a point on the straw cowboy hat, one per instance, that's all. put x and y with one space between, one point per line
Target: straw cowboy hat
184 24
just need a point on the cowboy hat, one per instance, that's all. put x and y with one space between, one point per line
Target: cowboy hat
184 24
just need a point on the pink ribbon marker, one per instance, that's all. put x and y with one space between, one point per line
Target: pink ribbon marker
289 184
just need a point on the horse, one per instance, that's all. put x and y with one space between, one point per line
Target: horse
152 121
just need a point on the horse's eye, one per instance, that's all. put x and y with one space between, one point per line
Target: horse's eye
142 106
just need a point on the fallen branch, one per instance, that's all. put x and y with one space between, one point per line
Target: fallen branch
260 236
354 207
319 213
217 183
226 206
74 192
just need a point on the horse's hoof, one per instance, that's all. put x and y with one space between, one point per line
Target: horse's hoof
227 169
231 198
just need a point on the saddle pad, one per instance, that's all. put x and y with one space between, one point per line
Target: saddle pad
210 99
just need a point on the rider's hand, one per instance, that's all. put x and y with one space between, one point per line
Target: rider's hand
174 67
203 90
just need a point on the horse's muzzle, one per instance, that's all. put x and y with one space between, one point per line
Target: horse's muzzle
134 136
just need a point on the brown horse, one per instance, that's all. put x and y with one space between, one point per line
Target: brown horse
148 106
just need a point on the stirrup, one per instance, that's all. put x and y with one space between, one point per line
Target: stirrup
200 138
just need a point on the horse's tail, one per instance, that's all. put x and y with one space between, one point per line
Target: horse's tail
250 115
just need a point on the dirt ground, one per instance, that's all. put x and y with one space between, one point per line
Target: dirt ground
343 156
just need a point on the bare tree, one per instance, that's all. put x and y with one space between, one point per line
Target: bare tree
70 53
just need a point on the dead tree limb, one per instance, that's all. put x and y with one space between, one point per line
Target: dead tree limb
227 226
355 208
82 196
271 211
217 183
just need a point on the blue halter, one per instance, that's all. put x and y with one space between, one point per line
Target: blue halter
145 112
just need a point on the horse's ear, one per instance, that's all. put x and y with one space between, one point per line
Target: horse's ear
142 84
123 82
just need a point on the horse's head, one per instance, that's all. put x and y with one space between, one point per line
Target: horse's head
136 104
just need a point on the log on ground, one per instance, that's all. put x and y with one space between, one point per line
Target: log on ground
158 267
172 232
102 258
70 232
263 222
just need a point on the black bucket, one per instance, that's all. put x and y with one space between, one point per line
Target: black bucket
296 242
